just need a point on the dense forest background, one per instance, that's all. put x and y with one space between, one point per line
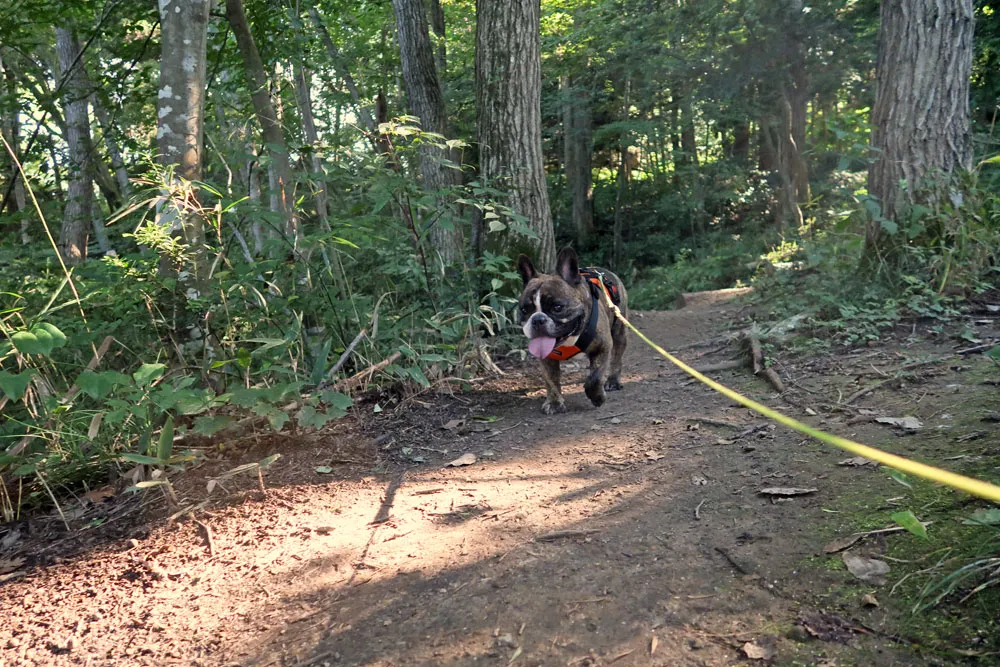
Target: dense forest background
213 208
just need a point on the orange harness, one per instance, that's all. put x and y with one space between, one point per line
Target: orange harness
596 281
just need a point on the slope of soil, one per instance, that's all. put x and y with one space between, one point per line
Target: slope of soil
634 534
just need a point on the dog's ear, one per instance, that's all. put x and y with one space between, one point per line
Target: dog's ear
569 266
526 268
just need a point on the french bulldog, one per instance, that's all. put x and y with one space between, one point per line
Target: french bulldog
566 314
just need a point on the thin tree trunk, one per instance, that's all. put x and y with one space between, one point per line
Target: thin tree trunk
436 13
80 193
508 115
272 133
920 121
180 130
624 176
423 91
578 150
364 113
12 133
114 153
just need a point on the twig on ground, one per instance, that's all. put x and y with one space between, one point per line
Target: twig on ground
697 510
209 541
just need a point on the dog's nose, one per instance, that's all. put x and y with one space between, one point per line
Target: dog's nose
537 319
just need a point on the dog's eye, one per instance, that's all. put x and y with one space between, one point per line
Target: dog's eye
557 308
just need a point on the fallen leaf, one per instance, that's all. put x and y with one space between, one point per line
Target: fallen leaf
615 420
905 423
786 491
866 569
514 657
653 643
10 564
842 543
988 517
653 455
463 460
758 652
868 412
658 421
857 462
453 424
324 470
811 412
100 495
698 480
869 600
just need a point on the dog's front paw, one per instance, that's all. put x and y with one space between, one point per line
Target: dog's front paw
550 408
595 392
613 384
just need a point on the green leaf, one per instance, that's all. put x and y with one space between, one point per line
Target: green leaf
994 354
14 386
148 373
141 458
496 283
29 343
99 385
910 522
324 470
336 399
210 425
265 462
165 447
497 226
889 227
319 364
311 418
58 337
148 484
900 477
984 517
246 397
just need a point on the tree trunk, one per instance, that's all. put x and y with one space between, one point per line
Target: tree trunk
920 121
272 133
180 128
80 193
624 179
423 91
578 138
509 117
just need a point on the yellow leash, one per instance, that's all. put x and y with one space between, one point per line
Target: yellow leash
970 485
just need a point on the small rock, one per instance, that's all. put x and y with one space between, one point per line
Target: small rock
506 639
869 600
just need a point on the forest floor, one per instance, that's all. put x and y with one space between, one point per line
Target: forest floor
633 534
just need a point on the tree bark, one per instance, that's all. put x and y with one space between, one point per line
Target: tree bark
271 130
508 115
423 92
180 128
578 138
920 120
80 192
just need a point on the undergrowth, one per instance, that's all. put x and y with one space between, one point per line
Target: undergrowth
106 371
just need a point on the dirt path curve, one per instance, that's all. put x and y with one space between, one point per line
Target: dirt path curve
625 535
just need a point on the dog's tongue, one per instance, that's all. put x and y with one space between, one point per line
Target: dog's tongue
541 346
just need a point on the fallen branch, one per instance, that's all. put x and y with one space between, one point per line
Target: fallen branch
363 376
759 367
900 374
562 534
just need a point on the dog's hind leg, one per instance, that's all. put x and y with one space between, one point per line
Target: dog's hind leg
619 338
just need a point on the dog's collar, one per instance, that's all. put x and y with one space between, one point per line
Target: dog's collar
596 282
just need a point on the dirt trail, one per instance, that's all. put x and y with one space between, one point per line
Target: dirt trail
674 559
